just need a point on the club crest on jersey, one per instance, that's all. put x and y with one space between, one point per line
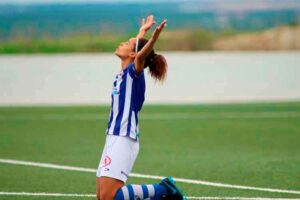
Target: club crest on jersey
115 91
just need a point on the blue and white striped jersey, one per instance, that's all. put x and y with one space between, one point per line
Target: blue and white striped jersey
128 95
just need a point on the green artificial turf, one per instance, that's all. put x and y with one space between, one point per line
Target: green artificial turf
254 144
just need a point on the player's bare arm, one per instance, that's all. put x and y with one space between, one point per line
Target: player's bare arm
141 55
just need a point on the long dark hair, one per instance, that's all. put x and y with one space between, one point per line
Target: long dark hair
157 63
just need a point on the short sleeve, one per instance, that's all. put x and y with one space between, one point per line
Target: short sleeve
133 73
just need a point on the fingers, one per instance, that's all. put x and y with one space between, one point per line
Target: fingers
143 21
162 25
150 18
149 22
159 29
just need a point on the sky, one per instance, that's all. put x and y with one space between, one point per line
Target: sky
188 6
74 1
186 1
294 2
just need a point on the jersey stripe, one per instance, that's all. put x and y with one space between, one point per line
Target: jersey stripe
124 121
122 92
110 114
133 125
115 107
129 124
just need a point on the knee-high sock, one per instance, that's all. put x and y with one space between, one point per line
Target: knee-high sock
133 192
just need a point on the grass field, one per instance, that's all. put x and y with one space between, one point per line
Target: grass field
254 144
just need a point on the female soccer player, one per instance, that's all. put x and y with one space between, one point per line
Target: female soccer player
122 139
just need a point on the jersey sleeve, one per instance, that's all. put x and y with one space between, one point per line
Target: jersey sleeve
133 73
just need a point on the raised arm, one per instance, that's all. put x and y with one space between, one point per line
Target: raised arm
146 25
144 52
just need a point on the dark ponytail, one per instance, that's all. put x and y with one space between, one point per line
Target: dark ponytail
157 63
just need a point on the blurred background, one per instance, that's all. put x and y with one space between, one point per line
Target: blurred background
61 52
228 111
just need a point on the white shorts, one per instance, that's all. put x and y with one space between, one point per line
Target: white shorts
118 157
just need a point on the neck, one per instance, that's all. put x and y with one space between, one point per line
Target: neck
125 62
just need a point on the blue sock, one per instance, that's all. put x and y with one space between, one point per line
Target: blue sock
132 192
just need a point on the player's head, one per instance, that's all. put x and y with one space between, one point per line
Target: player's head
157 63
126 49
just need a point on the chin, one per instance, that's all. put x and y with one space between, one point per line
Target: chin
116 53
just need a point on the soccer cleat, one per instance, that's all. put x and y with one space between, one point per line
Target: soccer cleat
173 192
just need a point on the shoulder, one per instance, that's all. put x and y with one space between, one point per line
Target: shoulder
131 69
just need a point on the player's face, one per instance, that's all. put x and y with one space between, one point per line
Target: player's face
125 49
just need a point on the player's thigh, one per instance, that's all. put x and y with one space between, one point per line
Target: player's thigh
107 187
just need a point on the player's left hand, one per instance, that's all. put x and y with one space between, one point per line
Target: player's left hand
158 29
146 25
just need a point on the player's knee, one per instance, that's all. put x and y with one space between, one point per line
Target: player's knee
98 196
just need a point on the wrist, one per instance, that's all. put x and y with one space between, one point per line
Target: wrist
142 30
152 40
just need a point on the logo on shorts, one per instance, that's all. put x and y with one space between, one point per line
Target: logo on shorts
124 174
106 161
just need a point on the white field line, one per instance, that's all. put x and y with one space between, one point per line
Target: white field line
93 195
155 116
190 181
